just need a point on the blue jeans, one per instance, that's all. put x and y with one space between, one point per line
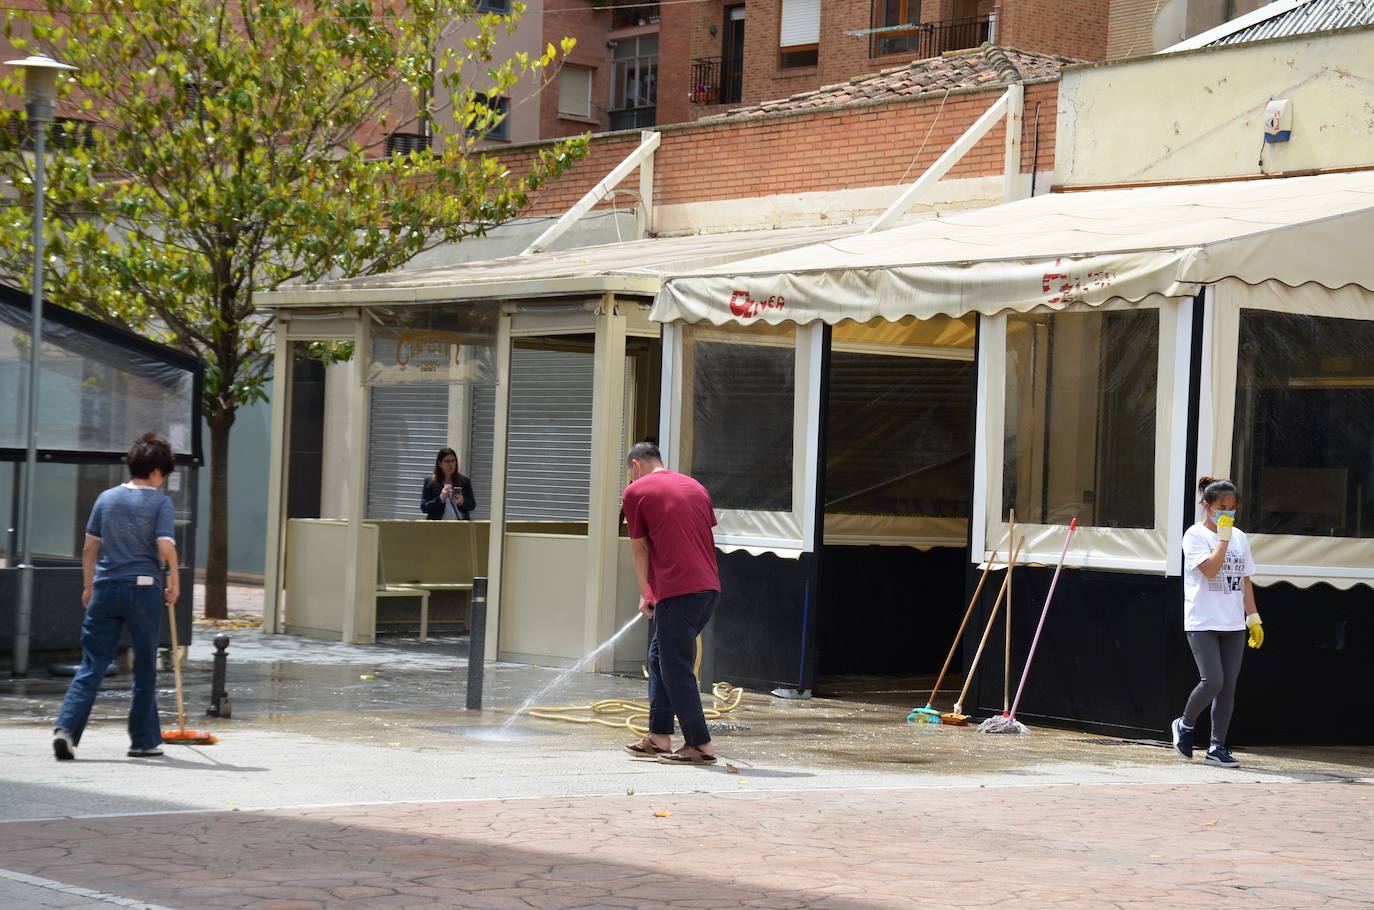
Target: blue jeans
673 686
113 605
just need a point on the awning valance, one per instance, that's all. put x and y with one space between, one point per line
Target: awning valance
1056 250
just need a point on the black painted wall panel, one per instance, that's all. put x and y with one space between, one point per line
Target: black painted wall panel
889 611
755 637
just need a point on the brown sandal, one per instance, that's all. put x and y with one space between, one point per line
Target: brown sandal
687 756
645 749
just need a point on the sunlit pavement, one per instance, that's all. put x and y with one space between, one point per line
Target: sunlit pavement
352 777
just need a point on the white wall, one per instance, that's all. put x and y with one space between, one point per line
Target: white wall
524 97
1198 114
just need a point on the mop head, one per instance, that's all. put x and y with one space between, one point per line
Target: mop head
957 717
1002 723
926 715
189 737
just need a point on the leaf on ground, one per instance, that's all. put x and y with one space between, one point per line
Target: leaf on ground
1210 824
731 768
367 676
663 813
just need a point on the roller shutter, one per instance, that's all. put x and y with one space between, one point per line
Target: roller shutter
550 435
407 426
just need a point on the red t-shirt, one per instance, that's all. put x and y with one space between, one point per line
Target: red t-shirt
675 513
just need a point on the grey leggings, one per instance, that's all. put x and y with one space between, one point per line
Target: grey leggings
1218 656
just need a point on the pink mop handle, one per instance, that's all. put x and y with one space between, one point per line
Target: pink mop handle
1044 611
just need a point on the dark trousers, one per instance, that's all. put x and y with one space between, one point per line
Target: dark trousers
1218 656
673 686
115 604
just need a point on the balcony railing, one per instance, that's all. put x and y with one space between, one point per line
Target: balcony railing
400 143
715 81
928 39
633 118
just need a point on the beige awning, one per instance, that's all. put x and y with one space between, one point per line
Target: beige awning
1054 250
637 267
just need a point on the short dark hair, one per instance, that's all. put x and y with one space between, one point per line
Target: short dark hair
149 453
644 451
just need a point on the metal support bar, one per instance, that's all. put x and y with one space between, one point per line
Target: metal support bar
951 157
40 115
597 193
477 642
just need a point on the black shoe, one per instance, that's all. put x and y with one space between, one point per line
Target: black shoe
1183 738
151 752
1217 755
62 745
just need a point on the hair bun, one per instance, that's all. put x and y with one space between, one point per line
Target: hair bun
1204 482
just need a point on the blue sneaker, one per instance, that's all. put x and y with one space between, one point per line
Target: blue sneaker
1183 738
1217 755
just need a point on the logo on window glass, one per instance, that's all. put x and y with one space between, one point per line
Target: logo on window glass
746 307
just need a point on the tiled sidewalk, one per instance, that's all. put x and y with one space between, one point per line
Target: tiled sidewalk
1248 845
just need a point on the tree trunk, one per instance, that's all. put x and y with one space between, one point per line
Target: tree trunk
221 420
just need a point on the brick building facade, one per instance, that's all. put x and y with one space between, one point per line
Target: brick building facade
866 144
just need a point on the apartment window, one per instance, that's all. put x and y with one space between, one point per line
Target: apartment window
1304 426
575 91
799 33
494 6
634 82
500 130
900 28
1079 429
899 20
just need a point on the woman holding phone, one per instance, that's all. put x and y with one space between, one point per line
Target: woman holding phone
1219 616
447 494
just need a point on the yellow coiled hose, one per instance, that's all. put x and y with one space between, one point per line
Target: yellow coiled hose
634 715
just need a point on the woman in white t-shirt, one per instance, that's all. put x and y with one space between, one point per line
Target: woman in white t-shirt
1218 611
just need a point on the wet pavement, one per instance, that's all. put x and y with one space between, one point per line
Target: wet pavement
351 776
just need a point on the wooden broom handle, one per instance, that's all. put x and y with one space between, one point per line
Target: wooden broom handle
997 605
968 614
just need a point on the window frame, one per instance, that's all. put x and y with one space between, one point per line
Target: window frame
786 534
591 81
1301 560
1156 550
808 51
637 63
500 131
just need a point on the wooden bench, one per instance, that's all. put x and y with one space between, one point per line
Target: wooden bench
425 558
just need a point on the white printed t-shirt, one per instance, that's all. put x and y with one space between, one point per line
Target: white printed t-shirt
1215 604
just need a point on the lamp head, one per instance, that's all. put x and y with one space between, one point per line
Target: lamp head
40 76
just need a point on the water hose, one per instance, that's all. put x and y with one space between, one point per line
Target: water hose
622 713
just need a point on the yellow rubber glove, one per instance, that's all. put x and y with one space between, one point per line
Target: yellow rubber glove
1224 525
1256 628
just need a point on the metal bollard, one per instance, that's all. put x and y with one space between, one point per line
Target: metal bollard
477 642
220 706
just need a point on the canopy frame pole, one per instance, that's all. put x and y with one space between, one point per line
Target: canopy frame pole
1011 168
643 155
952 155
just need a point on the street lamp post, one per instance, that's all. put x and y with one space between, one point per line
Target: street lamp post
40 89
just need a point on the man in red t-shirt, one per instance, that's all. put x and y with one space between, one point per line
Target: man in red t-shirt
670 519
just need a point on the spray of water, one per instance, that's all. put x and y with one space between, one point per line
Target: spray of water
563 677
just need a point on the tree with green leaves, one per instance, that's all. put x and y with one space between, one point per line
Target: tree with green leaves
226 148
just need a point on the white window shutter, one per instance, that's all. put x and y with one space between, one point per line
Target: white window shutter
801 23
575 91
